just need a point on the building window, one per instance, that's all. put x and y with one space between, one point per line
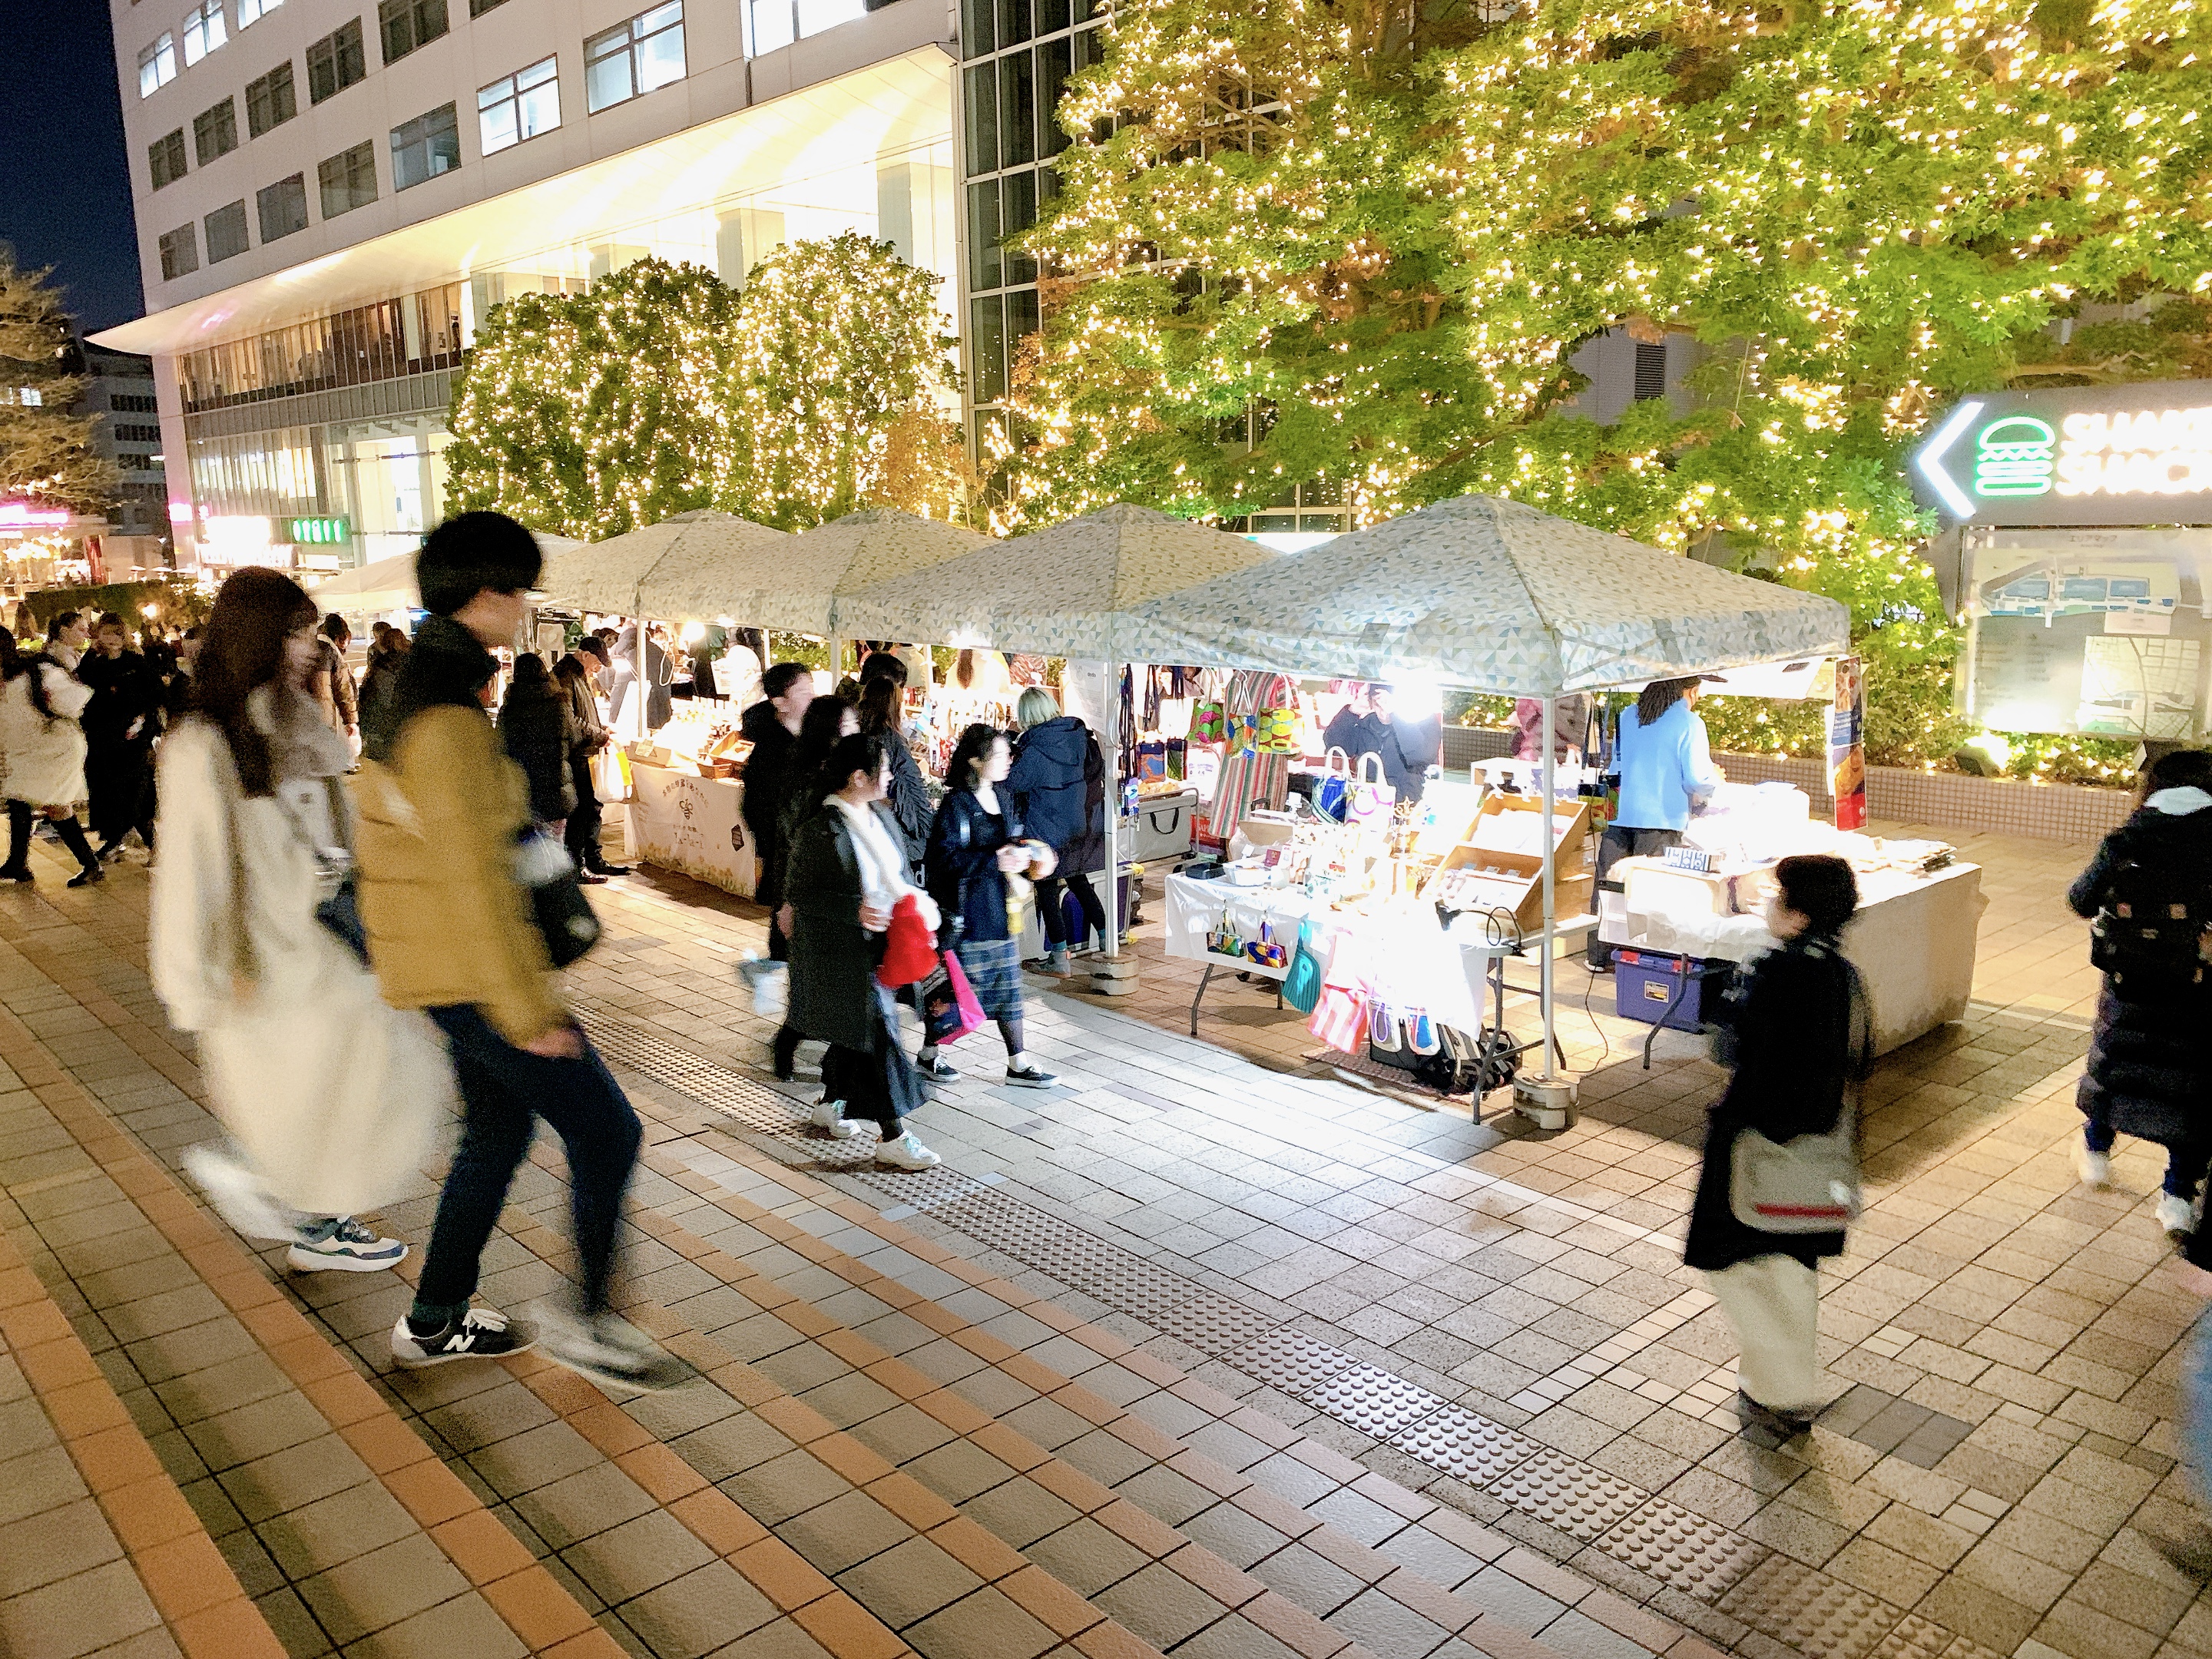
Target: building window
349 181
157 66
518 106
215 132
284 207
165 156
478 8
180 253
132 402
203 31
407 24
779 22
271 101
425 147
131 432
252 12
226 232
633 58
335 62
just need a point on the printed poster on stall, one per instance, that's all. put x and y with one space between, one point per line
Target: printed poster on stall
1847 777
693 825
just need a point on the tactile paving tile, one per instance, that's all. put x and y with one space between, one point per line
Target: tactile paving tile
1465 1446
1578 1500
1698 1557
1804 1608
1915 1637
1373 1401
1288 1359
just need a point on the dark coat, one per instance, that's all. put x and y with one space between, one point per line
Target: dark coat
1058 788
537 727
373 700
961 866
769 784
1405 748
833 958
2150 1056
912 808
1790 1020
124 688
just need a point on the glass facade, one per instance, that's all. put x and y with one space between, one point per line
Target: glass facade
409 336
1018 56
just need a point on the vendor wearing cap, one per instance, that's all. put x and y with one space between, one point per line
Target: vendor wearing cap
1666 768
1406 744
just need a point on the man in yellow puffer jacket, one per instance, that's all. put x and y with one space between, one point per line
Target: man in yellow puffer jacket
452 931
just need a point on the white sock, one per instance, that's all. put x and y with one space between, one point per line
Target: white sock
1018 1062
928 1053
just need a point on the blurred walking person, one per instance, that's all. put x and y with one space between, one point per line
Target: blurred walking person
120 724
452 932
537 729
846 877
1058 788
771 725
975 846
2149 888
883 684
331 1097
44 749
576 674
331 682
1797 1039
387 645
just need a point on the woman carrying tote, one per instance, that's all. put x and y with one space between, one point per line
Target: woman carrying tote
975 843
44 747
1796 1040
333 1097
538 729
1058 785
846 875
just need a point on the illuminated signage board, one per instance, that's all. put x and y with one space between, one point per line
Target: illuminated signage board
321 532
2074 455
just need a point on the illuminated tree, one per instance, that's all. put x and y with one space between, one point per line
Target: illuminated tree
45 452
586 415
1371 236
841 387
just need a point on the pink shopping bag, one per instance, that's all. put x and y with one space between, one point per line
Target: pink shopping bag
948 1004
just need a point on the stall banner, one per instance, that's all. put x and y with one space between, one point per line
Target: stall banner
693 825
1847 774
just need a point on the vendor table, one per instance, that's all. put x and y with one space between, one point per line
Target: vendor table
693 825
1912 941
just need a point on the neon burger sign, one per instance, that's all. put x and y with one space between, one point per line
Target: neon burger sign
2077 455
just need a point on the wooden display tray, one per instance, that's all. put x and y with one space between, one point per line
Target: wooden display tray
1573 889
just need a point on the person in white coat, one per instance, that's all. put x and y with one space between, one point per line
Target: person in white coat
39 702
332 1098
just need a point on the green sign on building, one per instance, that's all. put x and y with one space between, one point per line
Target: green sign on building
2074 455
321 533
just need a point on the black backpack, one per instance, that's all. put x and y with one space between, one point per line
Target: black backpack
2151 931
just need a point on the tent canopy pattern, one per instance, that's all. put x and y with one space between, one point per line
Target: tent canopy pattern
1065 591
1490 594
662 570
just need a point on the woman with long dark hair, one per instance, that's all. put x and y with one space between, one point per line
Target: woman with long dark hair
44 747
332 1097
1666 767
848 874
883 683
827 721
538 728
975 844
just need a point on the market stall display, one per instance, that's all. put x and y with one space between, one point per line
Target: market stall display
692 824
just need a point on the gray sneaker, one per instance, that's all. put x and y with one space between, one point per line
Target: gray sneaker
608 1350
339 1242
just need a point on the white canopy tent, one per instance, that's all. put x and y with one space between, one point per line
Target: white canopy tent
389 584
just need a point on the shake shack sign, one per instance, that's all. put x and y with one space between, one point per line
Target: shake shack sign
2079 455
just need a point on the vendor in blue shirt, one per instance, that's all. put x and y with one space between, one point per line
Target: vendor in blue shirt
1666 768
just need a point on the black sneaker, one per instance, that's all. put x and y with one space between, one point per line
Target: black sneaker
603 868
16 872
1029 1077
479 1334
91 874
936 1069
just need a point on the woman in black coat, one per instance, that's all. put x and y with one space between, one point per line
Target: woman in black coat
2150 1057
537 729
912 807
1058 786
844 877
1797 1044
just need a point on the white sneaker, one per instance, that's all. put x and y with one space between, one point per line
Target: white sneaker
607 1350
237 1193
341 1243
903 1151
829 1117
2095 1169
2178 1216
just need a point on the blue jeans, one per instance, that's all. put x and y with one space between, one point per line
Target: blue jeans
504 1091
2186 1160
2197 1404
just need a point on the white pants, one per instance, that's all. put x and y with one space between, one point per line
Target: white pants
1772 1301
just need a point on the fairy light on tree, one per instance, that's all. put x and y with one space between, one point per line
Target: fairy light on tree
1386 230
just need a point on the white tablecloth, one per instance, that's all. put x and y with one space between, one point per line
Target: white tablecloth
693 825
1913 941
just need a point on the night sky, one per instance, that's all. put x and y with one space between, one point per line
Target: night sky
65 186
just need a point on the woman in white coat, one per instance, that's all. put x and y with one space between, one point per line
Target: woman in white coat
40 702
332 1097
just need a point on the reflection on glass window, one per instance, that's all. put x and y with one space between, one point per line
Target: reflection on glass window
634 58
519 105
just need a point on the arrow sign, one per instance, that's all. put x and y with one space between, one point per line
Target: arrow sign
1928 463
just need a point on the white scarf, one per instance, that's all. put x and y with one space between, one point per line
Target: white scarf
882 866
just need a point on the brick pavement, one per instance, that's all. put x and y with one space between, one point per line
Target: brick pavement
1360 1361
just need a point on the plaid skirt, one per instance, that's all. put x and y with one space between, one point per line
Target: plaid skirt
993 967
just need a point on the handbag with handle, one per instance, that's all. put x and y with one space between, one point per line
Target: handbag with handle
1302 985
947 1002
1333 789
1371 802
1809 1183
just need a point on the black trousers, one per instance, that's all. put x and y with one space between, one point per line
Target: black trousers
119 778
582 834
20 814
1052 914
1619 842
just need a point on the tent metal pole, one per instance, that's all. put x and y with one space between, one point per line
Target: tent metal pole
1550 885
1110 702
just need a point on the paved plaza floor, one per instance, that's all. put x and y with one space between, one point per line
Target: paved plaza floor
1215 1349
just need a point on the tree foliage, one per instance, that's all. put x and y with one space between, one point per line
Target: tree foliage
45 452
661 390
1375 235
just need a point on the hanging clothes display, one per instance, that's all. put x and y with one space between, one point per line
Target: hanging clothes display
1256 773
